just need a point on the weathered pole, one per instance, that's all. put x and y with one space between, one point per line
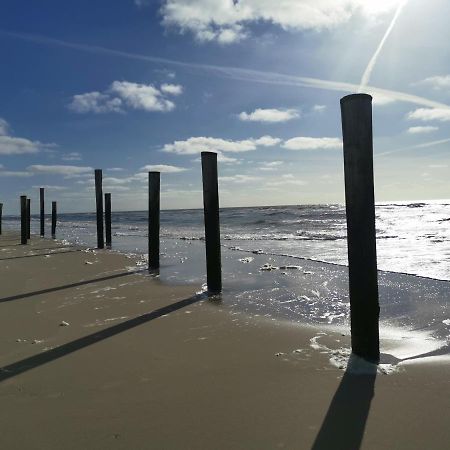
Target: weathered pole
108 219
356 113
212 224
154 187
53 220
28 218
41 199
99 207
23 219
1 216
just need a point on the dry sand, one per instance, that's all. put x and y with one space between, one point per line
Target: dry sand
142 365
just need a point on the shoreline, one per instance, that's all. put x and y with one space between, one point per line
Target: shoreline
144 364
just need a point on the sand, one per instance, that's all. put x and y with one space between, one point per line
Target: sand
96 356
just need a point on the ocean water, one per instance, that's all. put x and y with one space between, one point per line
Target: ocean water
290 261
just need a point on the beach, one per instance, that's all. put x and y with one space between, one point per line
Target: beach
98 354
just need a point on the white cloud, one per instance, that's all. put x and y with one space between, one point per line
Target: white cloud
172 89
195 145
59 169
4 127
95 102
115 169
10 145
422 130
163 168
310 143
319 108
269 115
141 96
72 156
51 188
270 166
226 21
126 94
239 179
13 173
437 82
428 114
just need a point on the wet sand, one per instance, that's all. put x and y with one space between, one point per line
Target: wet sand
97 356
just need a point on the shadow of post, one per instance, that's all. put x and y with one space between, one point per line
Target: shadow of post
345 421
53 354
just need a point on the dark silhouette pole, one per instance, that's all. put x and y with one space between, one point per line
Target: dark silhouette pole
108 219
154 182
53 220
356 112
23 219
41 200
1 216
212 225
28 218
99 206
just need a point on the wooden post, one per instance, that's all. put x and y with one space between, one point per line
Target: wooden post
28 218
53 220
41 199
212 225
108 219
1 216
99 206
154 187
356 112
23 219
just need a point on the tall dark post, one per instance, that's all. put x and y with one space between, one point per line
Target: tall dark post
41 199
1 216
53 220
23 219
99 205
356 112
212 225
28 218
108 219
154 186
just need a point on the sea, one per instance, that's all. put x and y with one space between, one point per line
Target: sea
290 262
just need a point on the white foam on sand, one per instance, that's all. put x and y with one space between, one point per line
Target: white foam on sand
399 347
342 358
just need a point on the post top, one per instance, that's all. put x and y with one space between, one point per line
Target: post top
360 96
209 153
154 172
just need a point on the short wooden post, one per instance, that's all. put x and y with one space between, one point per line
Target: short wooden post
42 211
108 219
99 207
23 219
356 112
54 220
28 218
1 216
154 182
212 224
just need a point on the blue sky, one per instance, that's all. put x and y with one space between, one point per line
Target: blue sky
130 85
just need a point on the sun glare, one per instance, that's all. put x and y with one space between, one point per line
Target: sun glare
374 7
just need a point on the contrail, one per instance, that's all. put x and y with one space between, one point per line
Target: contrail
368 72
413 147
236 73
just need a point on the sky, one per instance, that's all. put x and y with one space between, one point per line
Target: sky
136 85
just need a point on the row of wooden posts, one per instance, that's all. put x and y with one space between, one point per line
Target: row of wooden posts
25 217
356 112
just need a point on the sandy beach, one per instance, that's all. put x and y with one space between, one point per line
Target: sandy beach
97 354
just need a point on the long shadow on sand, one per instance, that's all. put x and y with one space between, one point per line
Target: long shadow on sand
345 421
40 359
38 254
72 285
